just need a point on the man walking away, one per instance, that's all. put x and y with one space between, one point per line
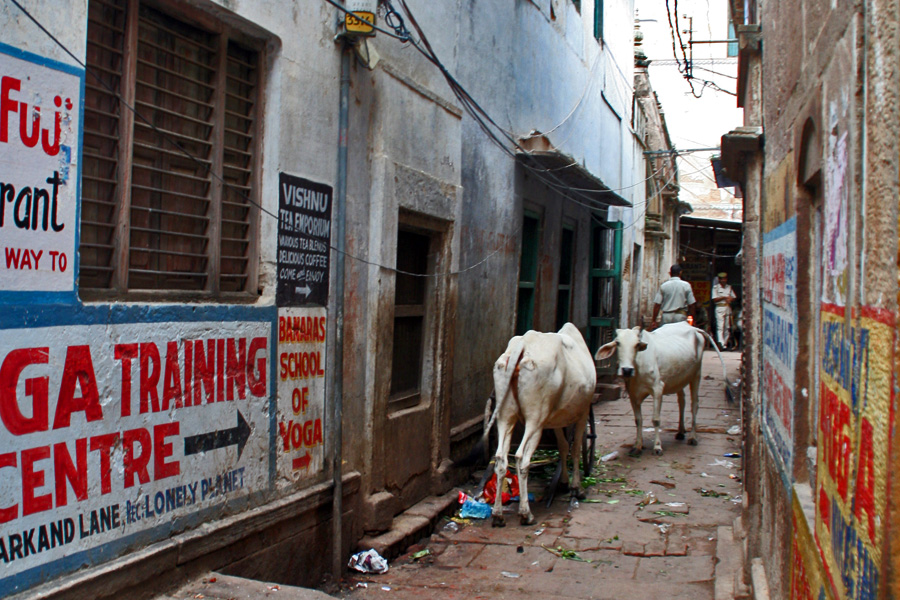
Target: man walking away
722 297
675 298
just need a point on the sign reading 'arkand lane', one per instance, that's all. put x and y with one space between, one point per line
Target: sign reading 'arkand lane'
304 237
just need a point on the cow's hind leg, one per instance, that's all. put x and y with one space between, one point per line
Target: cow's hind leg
680 434
576 490
501 463
657 410
695 406
638 424
563 444
530 440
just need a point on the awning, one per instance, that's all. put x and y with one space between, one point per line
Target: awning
564 174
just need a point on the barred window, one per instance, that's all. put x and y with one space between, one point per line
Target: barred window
168 190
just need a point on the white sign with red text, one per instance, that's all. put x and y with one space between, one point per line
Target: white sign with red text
40 129
111 430
301 391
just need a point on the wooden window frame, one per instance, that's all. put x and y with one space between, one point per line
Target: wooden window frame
120 264
564 290
411 397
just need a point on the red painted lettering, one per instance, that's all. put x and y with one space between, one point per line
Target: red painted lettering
163 450
36 387
126 353
204 370
236 368
172 378
865 478
104 444
150 371
256 378
33 479
78 371
64 469
8 513
220 370
136 463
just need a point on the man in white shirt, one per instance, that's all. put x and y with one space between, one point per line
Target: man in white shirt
676 299
722 297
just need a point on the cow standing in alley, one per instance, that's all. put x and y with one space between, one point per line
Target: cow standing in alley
545 380
657 363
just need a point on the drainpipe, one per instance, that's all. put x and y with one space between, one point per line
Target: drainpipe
340 205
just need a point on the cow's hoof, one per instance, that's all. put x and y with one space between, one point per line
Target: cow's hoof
679 435
498 521
526 519
692 441
657 451
635 451
579 494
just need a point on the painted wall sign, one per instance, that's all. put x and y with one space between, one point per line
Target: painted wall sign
779 312
110 434
40 137
807 579
301 392
855 404
304 237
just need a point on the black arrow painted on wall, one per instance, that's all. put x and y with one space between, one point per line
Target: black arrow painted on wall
219 439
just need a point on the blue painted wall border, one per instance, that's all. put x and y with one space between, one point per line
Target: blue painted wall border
44 297
111 550
789 226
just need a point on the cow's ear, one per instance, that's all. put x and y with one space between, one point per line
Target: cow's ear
641 346
606 350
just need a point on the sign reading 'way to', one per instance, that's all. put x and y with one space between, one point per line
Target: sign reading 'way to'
304 237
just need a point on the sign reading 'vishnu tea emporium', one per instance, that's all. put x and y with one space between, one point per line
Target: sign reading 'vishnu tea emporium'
304 239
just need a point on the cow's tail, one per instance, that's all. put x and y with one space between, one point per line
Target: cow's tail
501 390
730 386
502 383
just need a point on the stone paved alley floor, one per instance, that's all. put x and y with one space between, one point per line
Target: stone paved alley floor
616 544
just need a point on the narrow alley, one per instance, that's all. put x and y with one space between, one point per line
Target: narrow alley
651 526
261 260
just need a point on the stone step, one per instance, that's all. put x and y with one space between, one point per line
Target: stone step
215 586
411 525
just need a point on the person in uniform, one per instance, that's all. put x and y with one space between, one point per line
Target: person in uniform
675 298
722 297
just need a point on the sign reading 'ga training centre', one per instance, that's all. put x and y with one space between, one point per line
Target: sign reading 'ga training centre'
304 239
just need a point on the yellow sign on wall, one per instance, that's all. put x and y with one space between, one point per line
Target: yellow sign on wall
855 402
361 16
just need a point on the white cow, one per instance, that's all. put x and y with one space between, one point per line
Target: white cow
546 380
658 363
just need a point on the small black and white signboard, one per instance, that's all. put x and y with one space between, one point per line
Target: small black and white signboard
304 238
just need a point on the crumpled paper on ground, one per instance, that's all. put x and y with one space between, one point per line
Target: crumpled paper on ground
368 562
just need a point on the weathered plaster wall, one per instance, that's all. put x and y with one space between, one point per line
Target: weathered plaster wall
551 77
831 452
108 409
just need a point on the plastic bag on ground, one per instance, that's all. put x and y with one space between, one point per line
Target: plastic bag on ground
508 490
475 510
368 562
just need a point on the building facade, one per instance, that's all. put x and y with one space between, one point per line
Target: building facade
816 156
169 216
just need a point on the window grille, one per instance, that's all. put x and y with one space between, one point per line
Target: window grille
157 217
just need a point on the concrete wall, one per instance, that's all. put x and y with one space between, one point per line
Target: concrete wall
818 424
